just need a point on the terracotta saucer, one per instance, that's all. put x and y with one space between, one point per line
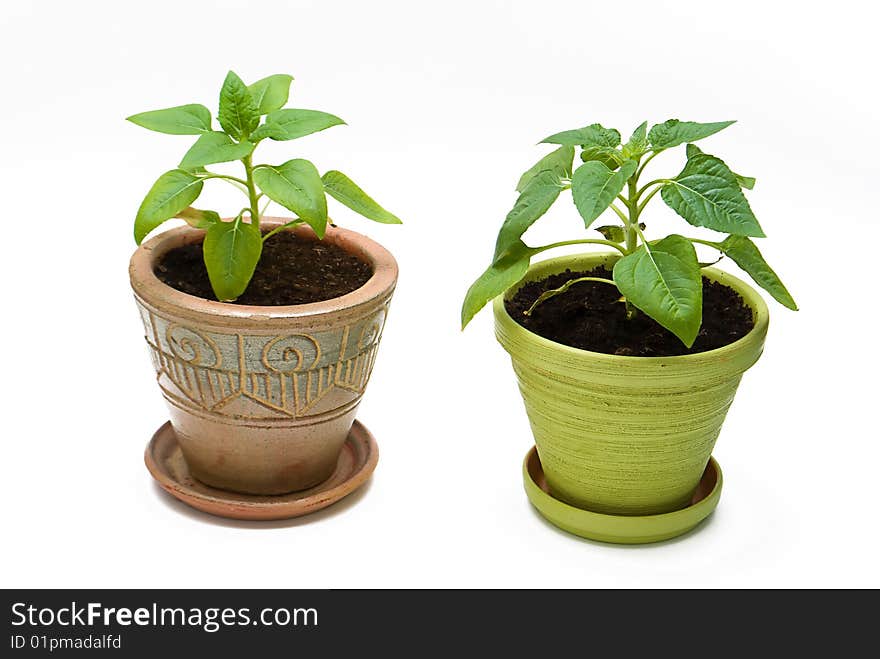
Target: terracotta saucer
166 464
621 529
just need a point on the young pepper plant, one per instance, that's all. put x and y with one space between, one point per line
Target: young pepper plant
661 278
248 114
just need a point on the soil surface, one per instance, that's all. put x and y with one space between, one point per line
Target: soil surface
291 271
590 317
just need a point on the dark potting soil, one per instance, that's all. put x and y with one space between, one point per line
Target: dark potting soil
291 270
589 316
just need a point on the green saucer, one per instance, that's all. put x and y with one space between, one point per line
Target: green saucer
621 529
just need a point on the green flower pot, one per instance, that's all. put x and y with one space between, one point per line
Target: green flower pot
625 435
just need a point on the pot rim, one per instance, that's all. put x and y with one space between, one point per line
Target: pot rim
750 296
148 286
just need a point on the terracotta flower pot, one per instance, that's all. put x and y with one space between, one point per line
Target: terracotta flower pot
625 435
262 398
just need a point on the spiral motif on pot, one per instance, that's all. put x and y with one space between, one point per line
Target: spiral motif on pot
371 331
192 346
292 353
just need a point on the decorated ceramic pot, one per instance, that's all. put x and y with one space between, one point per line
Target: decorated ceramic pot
262 398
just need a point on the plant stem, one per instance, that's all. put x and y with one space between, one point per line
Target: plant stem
648 198
632 223
583 241
226 177
265 206
632 228
711 244
656 181
252 192
705 242
292 223
546 295
647 160
619 212
235 182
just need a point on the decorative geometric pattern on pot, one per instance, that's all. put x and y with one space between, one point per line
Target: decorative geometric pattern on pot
245 376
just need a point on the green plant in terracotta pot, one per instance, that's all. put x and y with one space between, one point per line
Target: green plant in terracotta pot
263 330
628 359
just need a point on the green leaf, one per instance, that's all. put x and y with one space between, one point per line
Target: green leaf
198 219
692 150
345 191
663 280
746 255
559 162
232 250
707 194
238 112
674 132
290 124
497 278
607 155
212 148
271 93
614 233
192 119
536 198
637 144
594 187
592 135
170 194
297 186
746 182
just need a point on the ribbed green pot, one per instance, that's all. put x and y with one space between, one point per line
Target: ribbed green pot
625 435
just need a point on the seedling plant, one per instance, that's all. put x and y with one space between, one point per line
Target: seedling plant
661 278
247 115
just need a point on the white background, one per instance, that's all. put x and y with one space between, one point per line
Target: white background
445 103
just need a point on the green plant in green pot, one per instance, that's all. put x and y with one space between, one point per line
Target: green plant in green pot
628 359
